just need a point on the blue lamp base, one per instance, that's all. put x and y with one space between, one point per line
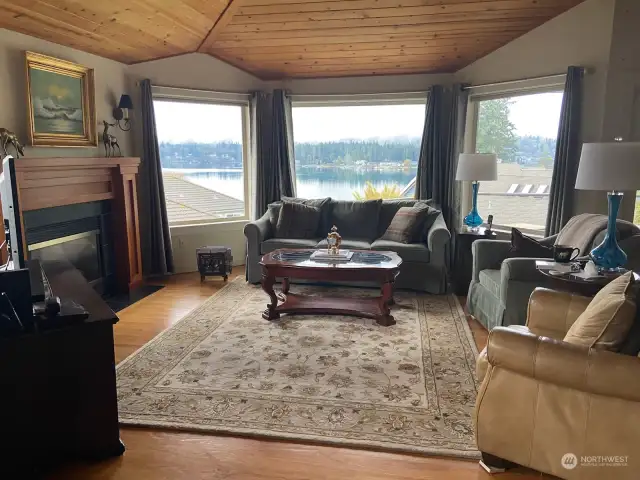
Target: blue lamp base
473 220
608 256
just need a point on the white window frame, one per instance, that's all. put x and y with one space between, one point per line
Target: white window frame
518 88
182 95
361 99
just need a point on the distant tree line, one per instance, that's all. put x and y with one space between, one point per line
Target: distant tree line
351 151
526 150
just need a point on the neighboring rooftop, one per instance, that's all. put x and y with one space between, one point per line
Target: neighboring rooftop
188 202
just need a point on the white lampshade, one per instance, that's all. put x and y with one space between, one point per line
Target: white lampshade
477 167
609 166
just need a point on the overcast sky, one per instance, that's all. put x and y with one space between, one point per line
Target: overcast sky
191 122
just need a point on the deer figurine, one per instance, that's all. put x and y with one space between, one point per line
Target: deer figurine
109 141
7 137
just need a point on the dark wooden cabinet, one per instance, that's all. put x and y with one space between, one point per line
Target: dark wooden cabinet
59 399
463 258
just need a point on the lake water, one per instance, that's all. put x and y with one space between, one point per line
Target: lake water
311 183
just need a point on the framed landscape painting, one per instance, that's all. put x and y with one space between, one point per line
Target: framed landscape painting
61 102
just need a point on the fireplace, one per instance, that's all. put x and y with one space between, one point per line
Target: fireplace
91 201
79 234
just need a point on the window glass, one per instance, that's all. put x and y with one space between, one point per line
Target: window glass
357 152
522 131
201 153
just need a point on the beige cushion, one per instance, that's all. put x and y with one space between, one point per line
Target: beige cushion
608 318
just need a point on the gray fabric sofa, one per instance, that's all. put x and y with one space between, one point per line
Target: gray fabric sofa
423 264
500 287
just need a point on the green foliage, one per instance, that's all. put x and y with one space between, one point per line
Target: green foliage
496 133
350 151
636 215
372 193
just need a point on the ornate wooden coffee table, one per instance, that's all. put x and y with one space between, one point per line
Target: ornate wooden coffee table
364 266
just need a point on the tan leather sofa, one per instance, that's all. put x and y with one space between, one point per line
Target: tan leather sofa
542 398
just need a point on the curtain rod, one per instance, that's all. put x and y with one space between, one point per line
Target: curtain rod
521 80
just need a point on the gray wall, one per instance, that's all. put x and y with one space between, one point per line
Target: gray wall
110 79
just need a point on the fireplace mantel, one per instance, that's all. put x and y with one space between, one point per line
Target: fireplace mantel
53 182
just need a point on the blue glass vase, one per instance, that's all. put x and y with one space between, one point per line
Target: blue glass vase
473 220
608 256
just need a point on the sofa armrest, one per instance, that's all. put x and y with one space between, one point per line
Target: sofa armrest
521 269
553 311
437 239
259 230
564 364
256 232
488 254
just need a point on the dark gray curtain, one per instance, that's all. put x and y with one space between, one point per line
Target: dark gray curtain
283 143
272 149
157 255
442 142
565 167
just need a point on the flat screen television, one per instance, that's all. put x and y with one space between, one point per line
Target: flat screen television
11 214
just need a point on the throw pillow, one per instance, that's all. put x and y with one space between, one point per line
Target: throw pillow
408 224
322 204
607 320
297 220
527 247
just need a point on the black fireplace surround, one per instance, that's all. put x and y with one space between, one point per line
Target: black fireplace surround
55 223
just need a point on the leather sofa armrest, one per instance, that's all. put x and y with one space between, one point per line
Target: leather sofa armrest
560 363
553 311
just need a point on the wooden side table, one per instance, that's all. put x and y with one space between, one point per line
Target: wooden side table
463 258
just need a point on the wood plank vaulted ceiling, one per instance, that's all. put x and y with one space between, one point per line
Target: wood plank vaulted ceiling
276 39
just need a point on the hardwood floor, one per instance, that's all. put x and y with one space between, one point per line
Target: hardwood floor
166 455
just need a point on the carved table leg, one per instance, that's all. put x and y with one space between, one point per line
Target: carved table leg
267 285
386 300
282 296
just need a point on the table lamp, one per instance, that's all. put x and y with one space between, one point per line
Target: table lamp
612 167
475 167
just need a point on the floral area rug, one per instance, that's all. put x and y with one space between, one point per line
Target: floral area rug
343 380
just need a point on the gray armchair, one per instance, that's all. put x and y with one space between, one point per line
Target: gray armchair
500 287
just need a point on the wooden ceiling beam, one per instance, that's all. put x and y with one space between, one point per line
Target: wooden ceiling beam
221 23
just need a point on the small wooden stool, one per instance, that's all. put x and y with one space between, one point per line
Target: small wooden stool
214 261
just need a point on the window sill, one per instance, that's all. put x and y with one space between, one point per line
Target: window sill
242 221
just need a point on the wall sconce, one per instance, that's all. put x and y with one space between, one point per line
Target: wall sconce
121 112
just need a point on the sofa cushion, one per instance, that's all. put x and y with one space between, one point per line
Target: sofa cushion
275 243
297 220
409 252
355 219
490 279
349 244
607 320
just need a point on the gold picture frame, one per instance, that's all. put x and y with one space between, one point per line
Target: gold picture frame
61 102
